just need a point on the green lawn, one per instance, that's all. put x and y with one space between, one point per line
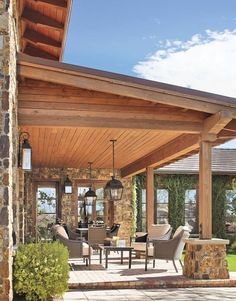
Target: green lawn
231 258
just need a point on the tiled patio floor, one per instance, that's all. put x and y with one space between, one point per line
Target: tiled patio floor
120 276
223 294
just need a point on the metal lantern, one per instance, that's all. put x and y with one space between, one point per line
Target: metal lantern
114 187
67 186
25 152
90 196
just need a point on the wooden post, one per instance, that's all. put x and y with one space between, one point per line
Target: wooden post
149 197
205 191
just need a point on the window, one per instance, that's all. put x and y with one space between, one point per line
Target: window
46 211
162 199
91 212
143 204
230 213
191 209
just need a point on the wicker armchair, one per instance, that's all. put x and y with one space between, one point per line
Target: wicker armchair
168 249
77 248
96 236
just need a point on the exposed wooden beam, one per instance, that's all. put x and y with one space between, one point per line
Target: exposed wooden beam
61 118
57 3
124 85
171 151
215 123
38 38
38 18
37 52
122 110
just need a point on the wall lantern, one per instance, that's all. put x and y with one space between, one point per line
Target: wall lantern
114 187
90 196
25 152
67 186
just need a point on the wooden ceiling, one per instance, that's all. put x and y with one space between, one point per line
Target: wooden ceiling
72 114
43 26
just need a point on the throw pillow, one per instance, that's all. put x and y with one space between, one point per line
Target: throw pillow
141 238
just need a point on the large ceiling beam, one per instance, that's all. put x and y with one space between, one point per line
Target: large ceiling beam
101 81
35 17
171 151
38 38
61 118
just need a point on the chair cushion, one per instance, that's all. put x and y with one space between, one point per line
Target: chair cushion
180 228
141 238
139 246
86 249
158 230
60 230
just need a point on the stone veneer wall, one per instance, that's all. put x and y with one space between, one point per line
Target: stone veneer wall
206 261
122 209
8 141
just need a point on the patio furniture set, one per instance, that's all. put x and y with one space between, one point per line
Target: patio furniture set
157 244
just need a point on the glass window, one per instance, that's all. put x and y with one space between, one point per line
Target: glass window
143 217
100 208
230 213
162 199
46 211
191 209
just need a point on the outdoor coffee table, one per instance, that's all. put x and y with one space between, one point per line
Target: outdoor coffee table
108 249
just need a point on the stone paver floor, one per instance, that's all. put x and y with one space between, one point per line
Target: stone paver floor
193 294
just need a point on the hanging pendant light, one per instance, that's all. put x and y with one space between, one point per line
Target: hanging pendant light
67 186
114 187
90 196
25 152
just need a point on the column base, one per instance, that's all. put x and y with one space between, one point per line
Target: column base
206 259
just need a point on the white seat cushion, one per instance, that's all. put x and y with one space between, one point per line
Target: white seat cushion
86 249
60 230
139 246
158 230
180 228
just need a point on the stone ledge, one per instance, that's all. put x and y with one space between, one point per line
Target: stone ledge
161 283
213 241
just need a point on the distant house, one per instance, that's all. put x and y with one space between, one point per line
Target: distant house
176 193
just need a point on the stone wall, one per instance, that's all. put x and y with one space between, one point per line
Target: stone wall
206 259
8 141
122 209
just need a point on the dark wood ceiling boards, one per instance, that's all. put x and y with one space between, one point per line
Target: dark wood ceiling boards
43 27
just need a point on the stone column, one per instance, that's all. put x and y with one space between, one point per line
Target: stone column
8 142
206 259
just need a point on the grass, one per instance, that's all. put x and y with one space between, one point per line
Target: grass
231 258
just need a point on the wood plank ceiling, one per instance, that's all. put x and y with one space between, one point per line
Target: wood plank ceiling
43 26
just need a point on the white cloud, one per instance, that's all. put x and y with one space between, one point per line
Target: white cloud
205 62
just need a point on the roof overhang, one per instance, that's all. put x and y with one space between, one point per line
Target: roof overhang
164 122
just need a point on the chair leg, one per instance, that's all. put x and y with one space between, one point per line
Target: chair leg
181 263
175 266
146 262
86 260
153 263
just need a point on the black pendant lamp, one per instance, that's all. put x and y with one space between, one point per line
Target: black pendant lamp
90 196
68 186
114 187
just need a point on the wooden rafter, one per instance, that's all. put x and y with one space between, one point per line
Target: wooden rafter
35 17
34 51
38 38
57 3
171 151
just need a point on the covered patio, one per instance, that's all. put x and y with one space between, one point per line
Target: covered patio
71 113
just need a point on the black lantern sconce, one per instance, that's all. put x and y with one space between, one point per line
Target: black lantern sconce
68 186
25 152
90 196
114 187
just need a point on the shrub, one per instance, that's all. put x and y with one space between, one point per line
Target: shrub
41 270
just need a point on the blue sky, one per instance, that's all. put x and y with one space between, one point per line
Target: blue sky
187 43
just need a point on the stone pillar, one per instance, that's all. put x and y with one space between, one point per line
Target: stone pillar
206 259
8 142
